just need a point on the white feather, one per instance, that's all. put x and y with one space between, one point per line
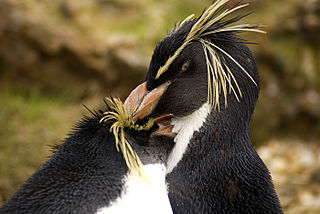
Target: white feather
185 127
140 197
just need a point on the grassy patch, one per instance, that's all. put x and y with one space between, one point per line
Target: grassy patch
29 124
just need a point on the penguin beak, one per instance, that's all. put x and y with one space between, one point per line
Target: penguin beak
140 103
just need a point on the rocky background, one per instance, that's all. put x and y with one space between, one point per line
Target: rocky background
57 55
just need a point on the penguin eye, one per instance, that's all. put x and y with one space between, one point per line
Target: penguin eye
185 66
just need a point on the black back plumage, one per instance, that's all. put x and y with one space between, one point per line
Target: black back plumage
85 173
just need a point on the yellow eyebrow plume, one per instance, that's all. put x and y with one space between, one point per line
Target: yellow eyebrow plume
219 73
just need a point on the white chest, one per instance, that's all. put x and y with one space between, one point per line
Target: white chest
140 197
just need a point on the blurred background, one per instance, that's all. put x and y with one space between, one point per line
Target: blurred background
57 55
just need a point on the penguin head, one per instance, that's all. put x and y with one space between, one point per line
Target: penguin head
134 137
202 61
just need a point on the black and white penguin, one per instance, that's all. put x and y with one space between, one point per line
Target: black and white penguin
213 88
88 173
201 87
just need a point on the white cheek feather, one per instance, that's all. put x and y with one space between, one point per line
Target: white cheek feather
185 127
140 197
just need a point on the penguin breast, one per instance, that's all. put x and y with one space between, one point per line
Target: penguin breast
140 196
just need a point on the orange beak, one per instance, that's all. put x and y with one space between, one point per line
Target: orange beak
140 103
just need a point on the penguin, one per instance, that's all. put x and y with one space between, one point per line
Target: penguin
200 93
213 86
90 173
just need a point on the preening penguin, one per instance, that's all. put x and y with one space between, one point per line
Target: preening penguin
93 172
201 90
213 86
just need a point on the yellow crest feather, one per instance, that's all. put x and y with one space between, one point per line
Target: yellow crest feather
218 72
123 120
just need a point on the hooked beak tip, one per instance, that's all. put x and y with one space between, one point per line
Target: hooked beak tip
140 103
135 97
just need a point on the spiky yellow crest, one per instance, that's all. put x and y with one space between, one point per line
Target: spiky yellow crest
123 119
219 73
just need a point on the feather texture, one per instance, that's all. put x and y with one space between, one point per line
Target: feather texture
121 120
219 73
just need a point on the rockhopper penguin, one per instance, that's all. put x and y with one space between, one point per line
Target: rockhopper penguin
213 88
201 90
93 172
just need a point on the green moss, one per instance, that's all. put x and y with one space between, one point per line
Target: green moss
29 123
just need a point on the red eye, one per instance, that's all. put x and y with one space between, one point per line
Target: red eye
185 66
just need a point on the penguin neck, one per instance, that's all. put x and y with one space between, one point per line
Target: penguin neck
223 125
217 167
185 128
